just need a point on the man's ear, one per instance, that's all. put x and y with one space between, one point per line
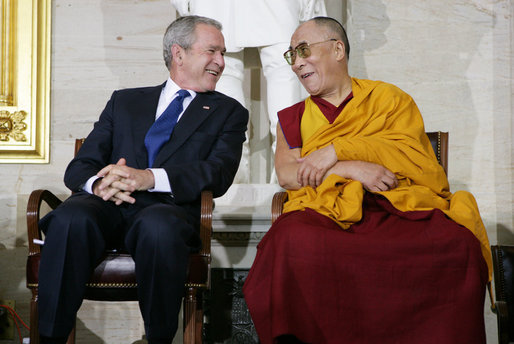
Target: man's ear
177 53
340 51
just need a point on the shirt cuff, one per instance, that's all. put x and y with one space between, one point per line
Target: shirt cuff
88 187
162 183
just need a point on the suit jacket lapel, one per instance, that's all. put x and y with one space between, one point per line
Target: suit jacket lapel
144 117
199 110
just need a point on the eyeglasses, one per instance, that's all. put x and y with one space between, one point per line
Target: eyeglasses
303 50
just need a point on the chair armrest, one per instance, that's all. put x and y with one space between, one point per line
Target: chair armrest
206 207
503 321
33 216
277 205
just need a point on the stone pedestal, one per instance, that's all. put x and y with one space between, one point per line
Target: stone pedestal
227 319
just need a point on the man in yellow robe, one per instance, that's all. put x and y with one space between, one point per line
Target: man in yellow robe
369 217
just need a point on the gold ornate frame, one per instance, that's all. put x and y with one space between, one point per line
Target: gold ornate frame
25 81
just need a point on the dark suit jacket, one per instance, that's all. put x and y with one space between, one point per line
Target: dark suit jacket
203 153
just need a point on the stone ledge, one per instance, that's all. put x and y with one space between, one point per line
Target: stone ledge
236 239
254 195
241 219
244 208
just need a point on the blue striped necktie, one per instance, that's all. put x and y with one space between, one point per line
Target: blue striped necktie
160 132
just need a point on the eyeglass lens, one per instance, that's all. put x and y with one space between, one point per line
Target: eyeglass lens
302 51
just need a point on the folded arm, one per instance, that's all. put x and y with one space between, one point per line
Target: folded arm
294 172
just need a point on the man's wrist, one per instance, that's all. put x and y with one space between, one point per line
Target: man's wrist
94 185
150 179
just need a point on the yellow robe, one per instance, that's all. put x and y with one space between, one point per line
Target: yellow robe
382 125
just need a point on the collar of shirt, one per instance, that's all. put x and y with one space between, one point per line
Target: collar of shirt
168 93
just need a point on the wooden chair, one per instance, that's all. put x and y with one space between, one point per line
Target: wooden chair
438 139
503 267
114 278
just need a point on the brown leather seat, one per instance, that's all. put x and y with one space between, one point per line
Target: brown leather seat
114 278
438 139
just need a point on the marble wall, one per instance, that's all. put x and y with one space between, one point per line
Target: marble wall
453 56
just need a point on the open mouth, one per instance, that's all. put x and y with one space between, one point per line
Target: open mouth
213 72
306 75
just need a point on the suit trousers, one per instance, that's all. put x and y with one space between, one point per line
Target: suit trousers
158 234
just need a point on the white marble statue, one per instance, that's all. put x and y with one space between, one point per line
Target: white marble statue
267 25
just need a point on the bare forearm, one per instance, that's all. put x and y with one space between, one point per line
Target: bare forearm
286 163
374 177
287 176
340 168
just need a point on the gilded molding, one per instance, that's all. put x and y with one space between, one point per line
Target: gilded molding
7 34
25 81
12 126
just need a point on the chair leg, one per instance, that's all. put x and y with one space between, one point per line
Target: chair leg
199 317
189 316
34 331
71 337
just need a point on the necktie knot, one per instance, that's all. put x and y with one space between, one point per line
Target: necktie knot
160 132
182 94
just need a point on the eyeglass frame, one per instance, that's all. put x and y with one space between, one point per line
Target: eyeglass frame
292 53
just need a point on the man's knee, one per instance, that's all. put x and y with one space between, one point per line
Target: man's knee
161 226
78 218
65 219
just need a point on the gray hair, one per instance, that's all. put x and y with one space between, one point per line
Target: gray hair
182 33
336 28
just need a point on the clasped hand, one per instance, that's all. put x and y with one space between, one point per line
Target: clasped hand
117 182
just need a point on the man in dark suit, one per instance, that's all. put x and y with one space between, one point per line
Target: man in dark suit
128 191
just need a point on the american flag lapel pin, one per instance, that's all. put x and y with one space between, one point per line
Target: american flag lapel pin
206 107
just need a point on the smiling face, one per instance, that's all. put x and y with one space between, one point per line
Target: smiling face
317 72
199 67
